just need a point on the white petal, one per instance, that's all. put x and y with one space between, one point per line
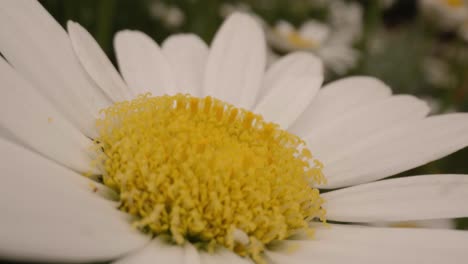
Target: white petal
156 252
432 223
223 256
359 123
294 64
38 48
187 54
315 31
369 245
336 98
401 199
8 135
38 125
50 213
142 64
236 62
289 87
339 57
397 149
96 63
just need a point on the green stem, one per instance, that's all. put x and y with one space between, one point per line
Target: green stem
105 15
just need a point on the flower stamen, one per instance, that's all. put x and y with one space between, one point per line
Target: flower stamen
203 171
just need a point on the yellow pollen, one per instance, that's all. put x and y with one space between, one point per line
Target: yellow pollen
202 171
454 3
297 40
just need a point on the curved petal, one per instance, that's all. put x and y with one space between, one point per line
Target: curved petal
161 252
8 135
289 66
142 64
236 63
156 252
289 87
335 136
432 223
369 245
336 98
96 63
187 55
315 31
401 199
38 48
339 57
222 256
397 149
50 213
38 125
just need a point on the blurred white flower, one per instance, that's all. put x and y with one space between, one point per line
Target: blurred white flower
310 36
463 31
331 41
170 15
227 9
446 14
335 51
437 72
346 19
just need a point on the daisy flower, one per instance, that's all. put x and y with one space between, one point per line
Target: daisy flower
438 73
450 15
346 19
226 9
463 30
331 41
170 15
201 155
446 14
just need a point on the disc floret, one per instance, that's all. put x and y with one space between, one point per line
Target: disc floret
203 171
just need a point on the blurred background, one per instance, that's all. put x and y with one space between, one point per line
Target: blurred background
418 47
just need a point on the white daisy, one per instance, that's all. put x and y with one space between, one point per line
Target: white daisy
450 15
200 151
438 73
446 14
170 15
226 9
346 19
332 41
463 30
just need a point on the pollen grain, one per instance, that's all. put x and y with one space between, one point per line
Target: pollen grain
202 171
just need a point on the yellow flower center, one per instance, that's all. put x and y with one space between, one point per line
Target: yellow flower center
297 40
454 3
202 171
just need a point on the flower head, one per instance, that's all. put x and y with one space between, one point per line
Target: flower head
446 14
222 162
332 40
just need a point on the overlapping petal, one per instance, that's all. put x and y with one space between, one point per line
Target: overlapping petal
50 213
236 63
187 54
